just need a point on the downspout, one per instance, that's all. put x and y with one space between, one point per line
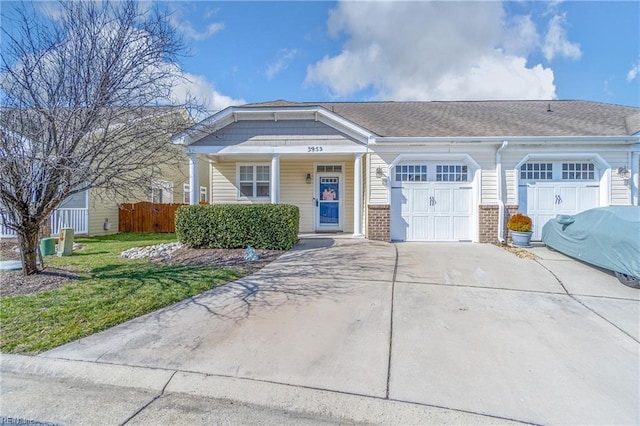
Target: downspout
501 238
634 179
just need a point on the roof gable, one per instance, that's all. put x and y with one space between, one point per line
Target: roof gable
226 117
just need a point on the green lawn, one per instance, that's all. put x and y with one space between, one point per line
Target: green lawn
110 291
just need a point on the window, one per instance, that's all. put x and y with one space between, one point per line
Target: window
254 181
186 197
411 173
203 194
578 171
451 173
329 169
536 171
161 191
76 201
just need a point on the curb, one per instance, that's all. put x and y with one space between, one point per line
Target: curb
340 406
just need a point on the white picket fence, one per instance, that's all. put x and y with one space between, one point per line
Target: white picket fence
6 232
78 219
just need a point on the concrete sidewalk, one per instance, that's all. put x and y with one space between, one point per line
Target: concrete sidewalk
343 330
79 392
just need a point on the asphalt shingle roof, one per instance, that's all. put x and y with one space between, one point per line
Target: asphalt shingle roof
483 118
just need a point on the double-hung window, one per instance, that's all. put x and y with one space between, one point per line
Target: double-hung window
161 191
186 193
254 180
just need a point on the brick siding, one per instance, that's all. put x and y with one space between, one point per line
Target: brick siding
379 222
488 221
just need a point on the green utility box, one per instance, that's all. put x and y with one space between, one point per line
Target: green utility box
65 242
48 246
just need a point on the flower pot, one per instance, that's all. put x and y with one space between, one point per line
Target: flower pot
521 239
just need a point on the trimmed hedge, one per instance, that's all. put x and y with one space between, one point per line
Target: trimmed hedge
261 226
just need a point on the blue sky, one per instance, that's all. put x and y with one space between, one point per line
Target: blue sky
356 51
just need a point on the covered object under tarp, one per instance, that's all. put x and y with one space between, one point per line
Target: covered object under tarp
608 237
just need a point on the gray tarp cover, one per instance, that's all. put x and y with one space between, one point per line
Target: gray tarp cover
608 237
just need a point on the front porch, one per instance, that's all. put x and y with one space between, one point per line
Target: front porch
307 156
328 189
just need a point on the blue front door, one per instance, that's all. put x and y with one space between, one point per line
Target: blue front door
329 199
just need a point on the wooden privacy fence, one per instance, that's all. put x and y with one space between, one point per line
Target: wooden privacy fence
147 217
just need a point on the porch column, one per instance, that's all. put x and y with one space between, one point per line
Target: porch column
193 179
275 179
357 196
634 181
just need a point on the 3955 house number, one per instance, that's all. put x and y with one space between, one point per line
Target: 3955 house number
314 149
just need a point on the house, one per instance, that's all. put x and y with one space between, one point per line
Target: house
92 212
95 212
420 171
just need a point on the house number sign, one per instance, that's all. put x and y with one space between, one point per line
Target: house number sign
314 149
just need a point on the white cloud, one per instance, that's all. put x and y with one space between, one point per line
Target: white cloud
51 10
432 51
284 57
198 87
185 27
494 77
521 36
633 73
556 42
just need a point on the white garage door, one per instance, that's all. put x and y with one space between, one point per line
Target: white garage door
432 211
552 188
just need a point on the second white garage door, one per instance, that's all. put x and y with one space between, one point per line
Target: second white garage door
546 200
431 212
557 187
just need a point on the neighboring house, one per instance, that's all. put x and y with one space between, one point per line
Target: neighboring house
92 212
420 171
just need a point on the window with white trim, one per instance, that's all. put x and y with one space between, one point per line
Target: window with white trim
451 173
578 171
536 171
411 173
203 194
186 193
161 191
254 180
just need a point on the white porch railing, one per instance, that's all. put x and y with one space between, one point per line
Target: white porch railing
6 232
78 219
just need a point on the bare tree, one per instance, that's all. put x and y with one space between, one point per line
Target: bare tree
86 103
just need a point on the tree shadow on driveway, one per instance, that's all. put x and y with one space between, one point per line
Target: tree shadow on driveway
316 269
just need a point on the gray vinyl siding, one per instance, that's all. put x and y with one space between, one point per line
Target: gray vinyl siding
275 133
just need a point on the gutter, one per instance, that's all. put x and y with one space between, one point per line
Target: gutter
629 139
501 206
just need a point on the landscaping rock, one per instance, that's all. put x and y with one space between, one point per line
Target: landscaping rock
162 251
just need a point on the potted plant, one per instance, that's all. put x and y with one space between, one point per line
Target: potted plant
520 226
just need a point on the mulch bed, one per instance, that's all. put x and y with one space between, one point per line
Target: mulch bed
13 282
221 258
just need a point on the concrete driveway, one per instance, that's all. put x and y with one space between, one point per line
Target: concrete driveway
466 327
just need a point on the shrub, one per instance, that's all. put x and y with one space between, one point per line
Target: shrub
262 226
519 223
